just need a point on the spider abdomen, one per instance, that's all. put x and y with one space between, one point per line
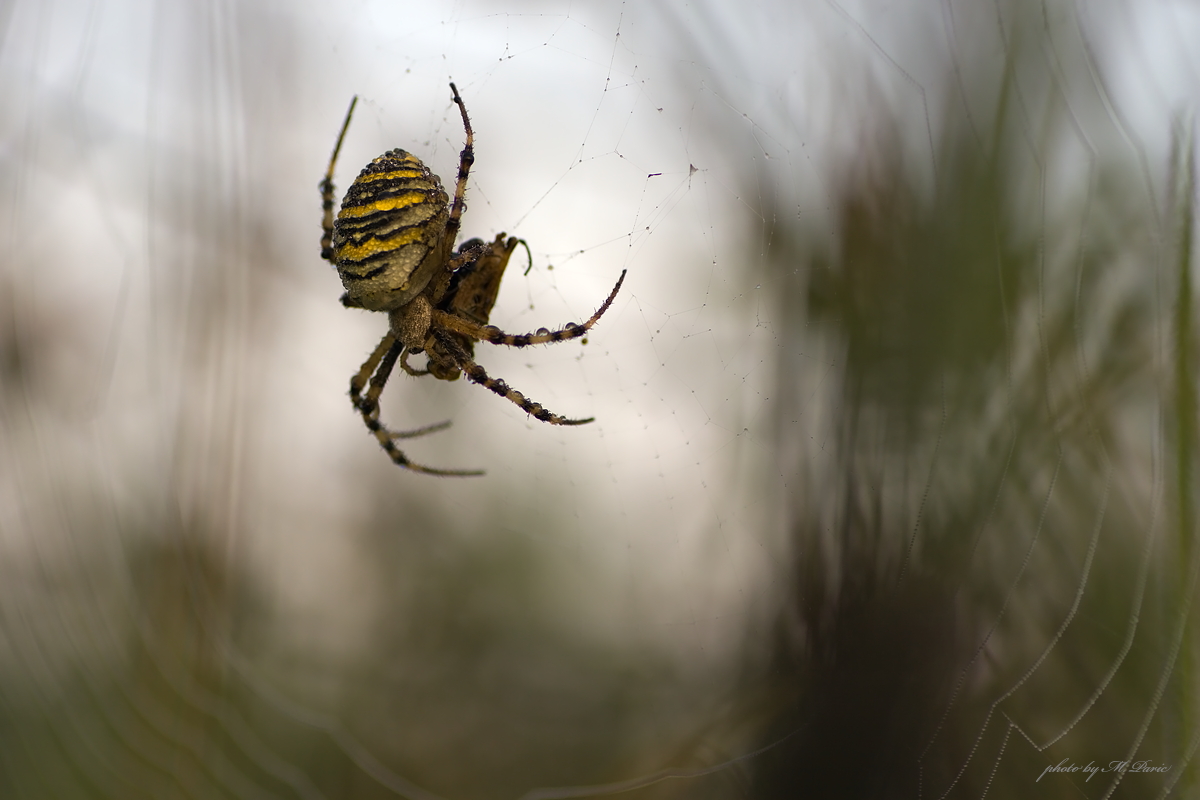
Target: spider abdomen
390 235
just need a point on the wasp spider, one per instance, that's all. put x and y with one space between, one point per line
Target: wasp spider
393 246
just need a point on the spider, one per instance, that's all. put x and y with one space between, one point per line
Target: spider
393 246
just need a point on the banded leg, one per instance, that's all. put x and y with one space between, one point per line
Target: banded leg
476 374
369 405
465 160
327 190
493 335
384 358
358 382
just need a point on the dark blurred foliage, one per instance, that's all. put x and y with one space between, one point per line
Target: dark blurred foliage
974 538
181 688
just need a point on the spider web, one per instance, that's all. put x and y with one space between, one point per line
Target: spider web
890 489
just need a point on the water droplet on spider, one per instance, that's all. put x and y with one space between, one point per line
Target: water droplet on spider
543 331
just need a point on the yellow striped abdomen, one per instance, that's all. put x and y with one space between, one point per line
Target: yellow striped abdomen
389 236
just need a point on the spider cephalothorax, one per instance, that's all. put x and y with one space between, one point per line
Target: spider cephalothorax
393 245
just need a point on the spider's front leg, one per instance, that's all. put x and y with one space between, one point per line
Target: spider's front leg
477 374
493 335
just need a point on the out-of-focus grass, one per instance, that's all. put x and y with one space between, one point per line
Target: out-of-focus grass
993 560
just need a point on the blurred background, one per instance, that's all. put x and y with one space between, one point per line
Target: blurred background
892 488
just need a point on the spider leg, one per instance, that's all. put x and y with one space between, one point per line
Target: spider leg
468 253
416 373
326 187
476 374
358 381
384 357
465 159
493 335
370 404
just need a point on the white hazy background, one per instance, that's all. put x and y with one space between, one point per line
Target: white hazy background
199 541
